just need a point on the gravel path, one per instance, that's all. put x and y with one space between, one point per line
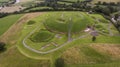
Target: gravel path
66 43
41 52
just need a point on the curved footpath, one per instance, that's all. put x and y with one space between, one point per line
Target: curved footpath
41 52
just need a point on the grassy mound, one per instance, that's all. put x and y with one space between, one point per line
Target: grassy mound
63 22
77 52
42 36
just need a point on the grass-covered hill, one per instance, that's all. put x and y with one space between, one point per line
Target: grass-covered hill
49 36
80 50
49 39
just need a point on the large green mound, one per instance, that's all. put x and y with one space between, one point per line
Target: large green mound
80 50
62 22
56 28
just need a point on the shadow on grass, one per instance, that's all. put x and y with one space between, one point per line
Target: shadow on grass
3 50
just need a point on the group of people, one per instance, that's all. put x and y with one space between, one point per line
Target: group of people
92 31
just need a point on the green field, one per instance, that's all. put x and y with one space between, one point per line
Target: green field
16 59
4 0
83 52
6 22
73 0
40 39
62 22
50 31
95 1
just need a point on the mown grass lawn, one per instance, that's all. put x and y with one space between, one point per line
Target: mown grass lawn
8 21
13 58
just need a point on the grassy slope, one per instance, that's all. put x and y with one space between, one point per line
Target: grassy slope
85 54
53 56
13 58
94 1
12 53
73 0
61 24
6 22
4 0
113 64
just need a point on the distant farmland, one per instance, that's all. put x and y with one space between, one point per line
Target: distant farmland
106 1
4 0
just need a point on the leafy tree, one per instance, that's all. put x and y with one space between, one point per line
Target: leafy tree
3 14
104 3
2 46
59 62
116 16
112 3
99 3
118 3
106 11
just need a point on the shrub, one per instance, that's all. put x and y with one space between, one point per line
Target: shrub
31 22
2 46
59 62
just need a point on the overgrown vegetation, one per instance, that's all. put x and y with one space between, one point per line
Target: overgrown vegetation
31 22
